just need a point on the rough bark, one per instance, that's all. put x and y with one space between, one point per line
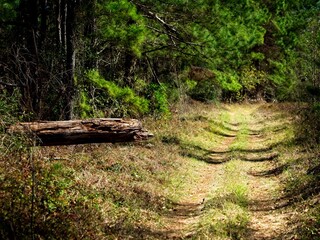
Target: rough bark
82 131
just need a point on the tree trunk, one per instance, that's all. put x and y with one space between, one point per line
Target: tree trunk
43 24
99 130
27 59
70 63
90 60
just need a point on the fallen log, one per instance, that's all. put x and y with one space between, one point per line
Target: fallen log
48 133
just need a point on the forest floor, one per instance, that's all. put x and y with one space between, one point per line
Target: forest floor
248 146
211 171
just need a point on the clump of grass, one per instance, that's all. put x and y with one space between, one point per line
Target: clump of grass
241 140
226 214
310 227
242 136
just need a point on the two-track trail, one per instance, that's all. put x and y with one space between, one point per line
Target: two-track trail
248 141
184 217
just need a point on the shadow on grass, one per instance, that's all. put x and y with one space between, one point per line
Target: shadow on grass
294 195
270 204
305 192
231 128
236 124
276 171
220 158
274 129
217 157
245 150
271 172
126 230
259 158
186 210
220 132
256 133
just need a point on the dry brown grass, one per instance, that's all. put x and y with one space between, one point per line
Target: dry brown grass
105 191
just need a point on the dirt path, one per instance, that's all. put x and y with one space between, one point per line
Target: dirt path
182 220
268 220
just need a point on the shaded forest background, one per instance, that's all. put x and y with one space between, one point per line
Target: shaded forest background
67 59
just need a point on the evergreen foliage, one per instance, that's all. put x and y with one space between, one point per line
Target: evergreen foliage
257 49
265 49
121 25
110 99
159 99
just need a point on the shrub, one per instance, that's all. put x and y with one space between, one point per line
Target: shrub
206 90
251 79
9 107
110 99
308 127
159 99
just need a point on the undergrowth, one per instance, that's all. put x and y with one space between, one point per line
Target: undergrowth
304 186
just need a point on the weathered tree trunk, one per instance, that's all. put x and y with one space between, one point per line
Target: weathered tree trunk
82 131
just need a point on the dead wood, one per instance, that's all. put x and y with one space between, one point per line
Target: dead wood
70 132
